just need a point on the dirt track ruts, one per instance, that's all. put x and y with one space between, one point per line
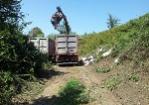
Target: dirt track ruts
92 81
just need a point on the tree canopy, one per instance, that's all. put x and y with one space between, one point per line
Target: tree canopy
10 14
112 21
20 61
36 32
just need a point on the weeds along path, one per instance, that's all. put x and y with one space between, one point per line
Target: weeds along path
92 81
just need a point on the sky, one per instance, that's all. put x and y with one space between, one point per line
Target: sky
84 16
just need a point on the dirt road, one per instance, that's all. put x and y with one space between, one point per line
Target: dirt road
92 80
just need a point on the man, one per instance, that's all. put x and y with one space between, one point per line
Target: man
57 17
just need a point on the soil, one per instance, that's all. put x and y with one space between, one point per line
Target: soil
132 92
128 92
93 82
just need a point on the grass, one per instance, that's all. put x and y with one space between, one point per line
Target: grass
29 92
73 93
112 82
129 42
121 38
102 70
134 78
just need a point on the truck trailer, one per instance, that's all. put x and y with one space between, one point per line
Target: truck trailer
66 49
42 44
61 50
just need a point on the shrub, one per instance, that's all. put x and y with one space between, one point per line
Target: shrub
134 77
102 70
19 61
19 56
112 82
73 94
7 89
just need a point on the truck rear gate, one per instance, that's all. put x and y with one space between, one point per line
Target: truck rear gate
41 44
67 59
66 49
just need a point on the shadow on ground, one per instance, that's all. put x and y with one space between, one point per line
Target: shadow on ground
41 101
47 74
80 63
46 101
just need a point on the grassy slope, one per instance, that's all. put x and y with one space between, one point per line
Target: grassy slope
128 80
120 38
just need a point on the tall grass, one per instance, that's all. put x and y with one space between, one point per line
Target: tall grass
121 38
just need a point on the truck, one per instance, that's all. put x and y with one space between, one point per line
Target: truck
62 50
41 43
66 49
66 45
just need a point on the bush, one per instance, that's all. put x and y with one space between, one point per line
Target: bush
7 89
73 94
20 61
102 70
134 77
19 56
112 82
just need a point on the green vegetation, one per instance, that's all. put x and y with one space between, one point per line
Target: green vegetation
36 32
73 94
129 41
119 37
51 36
29 92
102 70
10 14
112 21
134 77
6 89
20 61
112 82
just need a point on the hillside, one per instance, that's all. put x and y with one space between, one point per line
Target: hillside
128 79
121 38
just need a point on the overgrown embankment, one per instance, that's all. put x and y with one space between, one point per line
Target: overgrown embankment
130 40
20 62
121 38
130 43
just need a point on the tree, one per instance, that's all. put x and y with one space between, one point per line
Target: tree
36 32
20 61
51 36
112 21
73 33
10 39
10 14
